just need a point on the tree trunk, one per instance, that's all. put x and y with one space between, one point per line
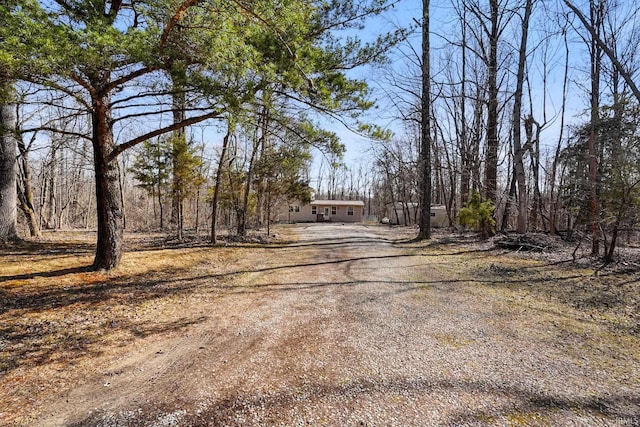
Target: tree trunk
216 188
25 193
476 139
268 209
8 185
553 212
108 201
537 205
518 161
425 126
51 190
121 182
507 206
464 146
258 141
594 205
178 77
612 245
491 167
160 208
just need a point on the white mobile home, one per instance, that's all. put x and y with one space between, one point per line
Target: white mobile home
400 213
326 210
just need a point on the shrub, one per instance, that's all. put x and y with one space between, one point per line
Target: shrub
478 215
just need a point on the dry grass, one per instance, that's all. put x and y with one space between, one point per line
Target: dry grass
57 316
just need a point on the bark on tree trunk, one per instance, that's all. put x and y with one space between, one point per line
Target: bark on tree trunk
161 208
594 205
8 185
556 158
108 201
178 77
51 190
25 193
425 125
476 138
508 202
537 205
518 154
263 123
491 167
216 188
464 146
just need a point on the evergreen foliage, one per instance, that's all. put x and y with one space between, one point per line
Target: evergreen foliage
187 166
478 215
617 139
151 167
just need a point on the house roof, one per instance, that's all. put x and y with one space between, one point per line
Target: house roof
337 202
401 205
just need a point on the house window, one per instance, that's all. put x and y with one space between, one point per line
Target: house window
334 210
433 214
314 210
350 211
294 208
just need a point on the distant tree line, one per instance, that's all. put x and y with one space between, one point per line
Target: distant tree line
527 110
534 107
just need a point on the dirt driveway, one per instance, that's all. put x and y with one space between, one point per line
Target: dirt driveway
348 325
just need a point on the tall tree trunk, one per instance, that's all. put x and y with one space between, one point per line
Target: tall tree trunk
518 166
476 138
121 182
25 190
596 64
553 212
160 208
512 195
178 77
491 167
616 154
425 126
537 205
465 147
216 188
264 118
51 191
8 185
108 201
242 212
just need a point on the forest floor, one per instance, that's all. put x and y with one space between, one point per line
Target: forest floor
329 324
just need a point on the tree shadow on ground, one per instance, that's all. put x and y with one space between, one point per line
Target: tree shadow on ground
272 407
33 342
609 295
54 322
50 273
45 248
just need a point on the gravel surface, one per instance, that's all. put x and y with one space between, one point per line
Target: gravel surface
349 325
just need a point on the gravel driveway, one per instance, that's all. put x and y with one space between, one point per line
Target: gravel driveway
348 325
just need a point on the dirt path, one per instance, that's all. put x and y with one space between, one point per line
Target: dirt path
348 326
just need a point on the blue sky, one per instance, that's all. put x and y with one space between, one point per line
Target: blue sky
444 28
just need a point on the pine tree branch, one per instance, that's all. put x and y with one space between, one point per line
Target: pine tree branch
174 126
